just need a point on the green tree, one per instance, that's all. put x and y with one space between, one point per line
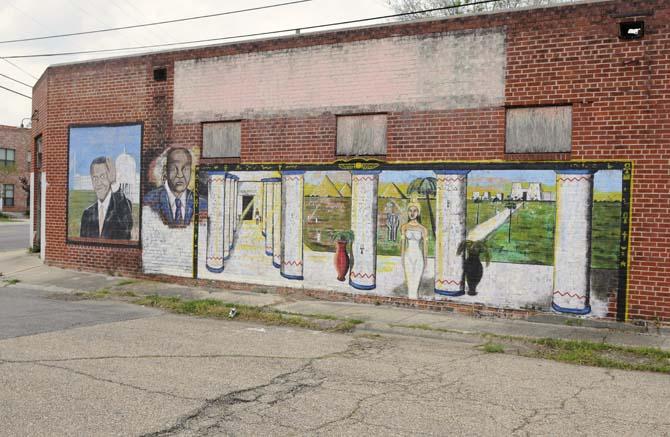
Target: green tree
404 6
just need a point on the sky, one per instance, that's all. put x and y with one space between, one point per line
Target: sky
603 181
29 18
88 143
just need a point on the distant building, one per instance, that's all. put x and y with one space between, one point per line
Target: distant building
127 177
14 168
526 191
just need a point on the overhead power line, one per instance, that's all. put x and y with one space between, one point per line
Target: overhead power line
248 35
18 68
15 80
15 92
156 23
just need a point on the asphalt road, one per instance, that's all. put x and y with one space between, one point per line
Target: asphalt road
70 367
13 236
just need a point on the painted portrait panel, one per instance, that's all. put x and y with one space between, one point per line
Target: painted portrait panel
104 184
168 210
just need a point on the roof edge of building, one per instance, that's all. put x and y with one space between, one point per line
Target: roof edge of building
326 32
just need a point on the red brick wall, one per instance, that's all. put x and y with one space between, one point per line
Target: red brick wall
619 90
19 140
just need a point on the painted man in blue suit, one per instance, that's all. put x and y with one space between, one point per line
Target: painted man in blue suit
173 201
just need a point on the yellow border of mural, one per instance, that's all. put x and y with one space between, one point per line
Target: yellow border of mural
364 163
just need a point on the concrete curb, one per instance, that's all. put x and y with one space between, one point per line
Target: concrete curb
378 319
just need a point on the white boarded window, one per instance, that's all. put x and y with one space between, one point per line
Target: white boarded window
546 129
361 135
221 140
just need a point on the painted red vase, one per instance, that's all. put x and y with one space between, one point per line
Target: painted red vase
341 260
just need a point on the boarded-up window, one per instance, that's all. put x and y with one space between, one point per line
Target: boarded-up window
221 140
361 135
539 130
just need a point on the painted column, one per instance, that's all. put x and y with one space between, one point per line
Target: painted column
450 212
268 221
235 214
216 183
364 185
276 223
226 217
572 241
263 193
231 211
31 217
291 230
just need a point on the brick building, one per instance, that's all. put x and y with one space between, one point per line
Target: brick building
15 164
254 158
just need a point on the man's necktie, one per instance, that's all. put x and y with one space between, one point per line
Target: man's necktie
178 218
101 218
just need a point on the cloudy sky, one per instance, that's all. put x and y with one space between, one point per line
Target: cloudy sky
31 18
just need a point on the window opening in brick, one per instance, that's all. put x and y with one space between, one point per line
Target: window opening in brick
160 74
538 129
8 195
7 157
221 139
38 151
359 135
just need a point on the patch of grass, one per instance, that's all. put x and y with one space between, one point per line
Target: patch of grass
126 282
11 281
603 355
493 348
574 322
5 218
98 294
579 352
220 310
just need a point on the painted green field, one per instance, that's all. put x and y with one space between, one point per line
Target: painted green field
323 215
486 211
79 200
605 236
532 239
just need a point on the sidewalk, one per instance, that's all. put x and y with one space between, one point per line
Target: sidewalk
28 269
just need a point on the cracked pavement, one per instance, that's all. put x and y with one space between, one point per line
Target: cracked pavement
164 375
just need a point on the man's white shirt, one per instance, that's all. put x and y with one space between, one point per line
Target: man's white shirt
102 210
171 200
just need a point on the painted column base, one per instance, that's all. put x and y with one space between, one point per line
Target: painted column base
578 311
450 293
268 252
295 277
215 269
362 287
276 265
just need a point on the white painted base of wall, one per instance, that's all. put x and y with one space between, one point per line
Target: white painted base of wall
503 285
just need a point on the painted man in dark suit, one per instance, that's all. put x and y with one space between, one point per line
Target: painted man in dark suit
173 201
111 216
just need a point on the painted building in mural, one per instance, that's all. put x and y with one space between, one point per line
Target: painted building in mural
428 163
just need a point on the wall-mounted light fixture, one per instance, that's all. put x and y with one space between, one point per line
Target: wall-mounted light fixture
631 30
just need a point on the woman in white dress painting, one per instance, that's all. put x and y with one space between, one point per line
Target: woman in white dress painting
413 249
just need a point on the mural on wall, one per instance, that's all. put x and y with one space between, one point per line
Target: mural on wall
167 213
532 237
104 184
